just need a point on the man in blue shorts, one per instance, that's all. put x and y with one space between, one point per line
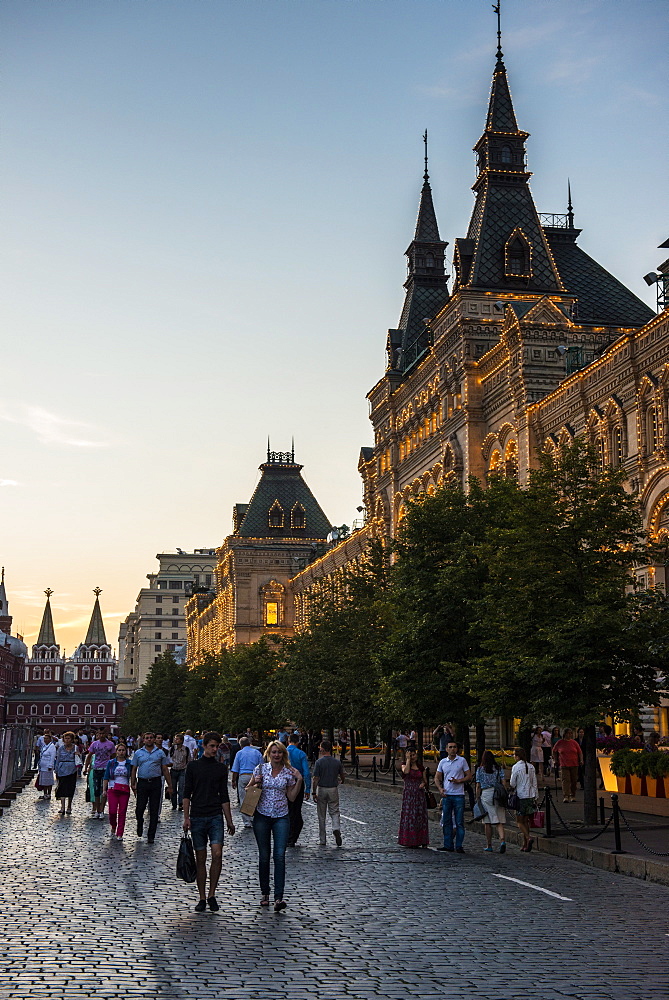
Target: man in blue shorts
205 802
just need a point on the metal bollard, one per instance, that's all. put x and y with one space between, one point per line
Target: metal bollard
602 817
549 831
616 825
373 768
357 766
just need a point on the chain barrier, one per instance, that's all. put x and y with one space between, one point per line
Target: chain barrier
570 830
658 854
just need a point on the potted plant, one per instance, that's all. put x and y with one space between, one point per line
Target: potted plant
621 765
658 774
639 772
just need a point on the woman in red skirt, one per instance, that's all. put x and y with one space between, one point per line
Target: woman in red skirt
413 821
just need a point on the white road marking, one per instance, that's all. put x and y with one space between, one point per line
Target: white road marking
349 818
530 885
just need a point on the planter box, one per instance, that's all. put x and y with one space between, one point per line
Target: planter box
624 785
609 779
638 785
655 787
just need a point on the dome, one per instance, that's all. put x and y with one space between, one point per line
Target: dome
16 646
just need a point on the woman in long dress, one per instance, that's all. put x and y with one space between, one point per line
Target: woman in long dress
65 764
413 821
47 760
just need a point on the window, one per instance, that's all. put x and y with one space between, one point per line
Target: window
37 673
651 429
271 613
158 624
157 649
20 710
175 585
47 673
97 673
74 710
207 579
507 155
175 635
276 515
158 635
103 654
101 710
517 256
617 442
601 455
61 710
175 624
298 517
196 579
429 260
47 709
87 709
85 673
33 709
175 600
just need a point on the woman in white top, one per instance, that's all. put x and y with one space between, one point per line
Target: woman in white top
537 751
523 781
47 760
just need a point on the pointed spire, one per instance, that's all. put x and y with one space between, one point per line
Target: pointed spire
427 230
47 636
570 207
4 606
96 630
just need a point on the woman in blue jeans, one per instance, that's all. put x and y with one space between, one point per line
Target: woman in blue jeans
280 782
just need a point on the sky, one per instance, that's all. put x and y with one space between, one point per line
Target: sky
204 207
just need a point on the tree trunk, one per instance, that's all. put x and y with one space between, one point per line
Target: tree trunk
590 776
353 748
389 748
480 741
525 736
463 737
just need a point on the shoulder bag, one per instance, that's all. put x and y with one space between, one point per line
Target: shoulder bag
251 799
500 795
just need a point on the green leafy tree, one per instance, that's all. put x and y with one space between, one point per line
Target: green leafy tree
157 705
196 706
242 693
564 637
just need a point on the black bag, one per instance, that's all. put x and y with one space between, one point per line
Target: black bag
430 799
186 868
500 795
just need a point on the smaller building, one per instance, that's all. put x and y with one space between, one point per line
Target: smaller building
68 692
157 625
13 652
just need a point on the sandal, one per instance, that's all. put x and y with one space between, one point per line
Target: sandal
264 901
279 905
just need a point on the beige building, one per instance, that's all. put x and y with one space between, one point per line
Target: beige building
158 625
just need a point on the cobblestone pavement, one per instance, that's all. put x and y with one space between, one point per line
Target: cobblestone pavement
86 916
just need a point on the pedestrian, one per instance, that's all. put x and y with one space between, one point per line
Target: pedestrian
206 801
246 760
489 777
328 775
402 741
45 765
180 757
116 786
223 752
413 819
523 781
299 761
280 782
100 753
537 749
160 743
450 777
343 744
555 736
65 766
569 755
547 748
190 742
149 767
282 735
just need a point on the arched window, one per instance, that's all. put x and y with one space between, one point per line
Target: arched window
33 709
517 256
298 517
429 260
60 710
75 710
511 460
85 673
651 430
496 463
617 446
47 709
507 155
101 710
47 673
87 710
601 453
37 673
276 515
20 710
103 654
97 673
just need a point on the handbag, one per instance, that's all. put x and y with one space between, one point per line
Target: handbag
430 799
512 800
500 795
186 867
479 809
251 799
539 819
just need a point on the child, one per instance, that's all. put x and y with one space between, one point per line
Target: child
116 787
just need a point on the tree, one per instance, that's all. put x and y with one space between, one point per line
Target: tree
196 706
242 694
564 637
157 705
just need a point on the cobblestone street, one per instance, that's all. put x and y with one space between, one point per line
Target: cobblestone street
86 916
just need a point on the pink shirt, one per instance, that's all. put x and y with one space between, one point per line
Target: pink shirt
569 752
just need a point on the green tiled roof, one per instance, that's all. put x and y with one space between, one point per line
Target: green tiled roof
47 635
281 482
96 630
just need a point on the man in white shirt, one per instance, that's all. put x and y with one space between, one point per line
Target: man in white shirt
547 747
452 773
190 742
246 759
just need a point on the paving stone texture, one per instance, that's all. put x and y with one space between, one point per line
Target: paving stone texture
85 916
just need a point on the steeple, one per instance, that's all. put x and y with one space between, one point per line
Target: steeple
47 636
505 248
426 284
96 630
5 617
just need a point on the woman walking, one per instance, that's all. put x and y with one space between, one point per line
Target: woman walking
523 782
116 789
537 750
413 820
47 759
280 782
66 765
180 756
488 776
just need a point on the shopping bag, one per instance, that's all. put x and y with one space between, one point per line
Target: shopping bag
539 819
186 868
251 799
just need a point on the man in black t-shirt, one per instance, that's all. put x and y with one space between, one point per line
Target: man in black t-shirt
205 802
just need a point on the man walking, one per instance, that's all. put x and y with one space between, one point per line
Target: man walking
190 742
100 753
452 773
328 775
149 767
206 801
246 759
298 759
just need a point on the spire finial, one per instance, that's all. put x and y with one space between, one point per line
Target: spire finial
570 207
97 591
426 176
268 447
292 449
3 575
48 592
497 8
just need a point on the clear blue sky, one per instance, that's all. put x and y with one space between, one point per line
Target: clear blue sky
205 205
